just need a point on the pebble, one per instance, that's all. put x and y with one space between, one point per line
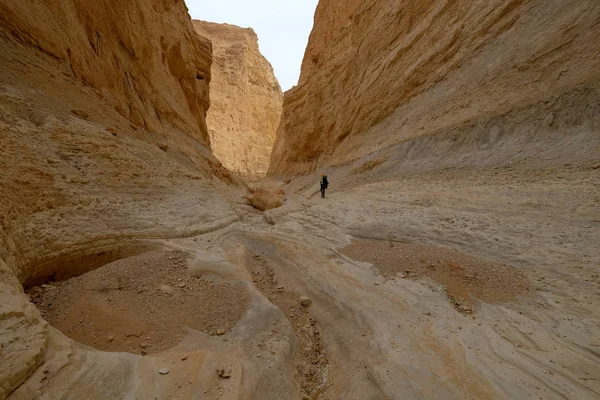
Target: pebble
164 371
305 301
224 373
220 331
111 338
184 358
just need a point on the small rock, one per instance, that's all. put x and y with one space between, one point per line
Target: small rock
305 301
224 373
220 331
184 358
181 285
166 289
164 371
465 309
427 313
111 338
144 345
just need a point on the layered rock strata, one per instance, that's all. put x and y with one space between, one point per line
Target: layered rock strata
383 72
246 100
103 143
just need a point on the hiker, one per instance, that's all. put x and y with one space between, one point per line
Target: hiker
324 184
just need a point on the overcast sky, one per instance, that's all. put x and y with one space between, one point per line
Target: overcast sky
282 27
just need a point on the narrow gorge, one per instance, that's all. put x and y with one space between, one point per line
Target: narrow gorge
246 100
456 254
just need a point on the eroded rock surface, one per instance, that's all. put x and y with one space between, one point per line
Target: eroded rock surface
85 182
381 72
246 100
102 125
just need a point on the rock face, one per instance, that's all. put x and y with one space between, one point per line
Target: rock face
380 72
150 67
246 100
104 142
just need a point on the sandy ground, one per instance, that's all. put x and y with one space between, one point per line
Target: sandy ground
465 278
509 310
141 304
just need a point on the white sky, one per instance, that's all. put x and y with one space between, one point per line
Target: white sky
282 27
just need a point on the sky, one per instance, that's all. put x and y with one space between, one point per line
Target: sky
282 26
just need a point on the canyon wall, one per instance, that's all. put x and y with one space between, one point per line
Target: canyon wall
103 143
246 100
379 73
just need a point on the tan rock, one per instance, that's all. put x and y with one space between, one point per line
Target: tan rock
267 197
246 100
73 192
381 72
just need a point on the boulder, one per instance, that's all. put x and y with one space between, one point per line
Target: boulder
267 197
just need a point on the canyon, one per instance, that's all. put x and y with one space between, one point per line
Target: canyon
455 255
245 100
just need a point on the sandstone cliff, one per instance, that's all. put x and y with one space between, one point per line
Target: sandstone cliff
245 100
380 72
103 142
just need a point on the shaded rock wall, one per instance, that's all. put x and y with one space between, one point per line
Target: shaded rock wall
138 56
381 72
103 143
246 100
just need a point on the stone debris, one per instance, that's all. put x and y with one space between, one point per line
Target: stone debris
164 371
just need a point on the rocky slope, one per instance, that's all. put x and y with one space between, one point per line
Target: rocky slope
383 72
102 125
245 100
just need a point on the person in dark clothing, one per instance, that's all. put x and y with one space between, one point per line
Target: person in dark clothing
324 184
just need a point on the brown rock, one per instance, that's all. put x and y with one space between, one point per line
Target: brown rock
224 373
305 301
246 100
267 197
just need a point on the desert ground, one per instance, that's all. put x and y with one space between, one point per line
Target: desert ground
448 283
